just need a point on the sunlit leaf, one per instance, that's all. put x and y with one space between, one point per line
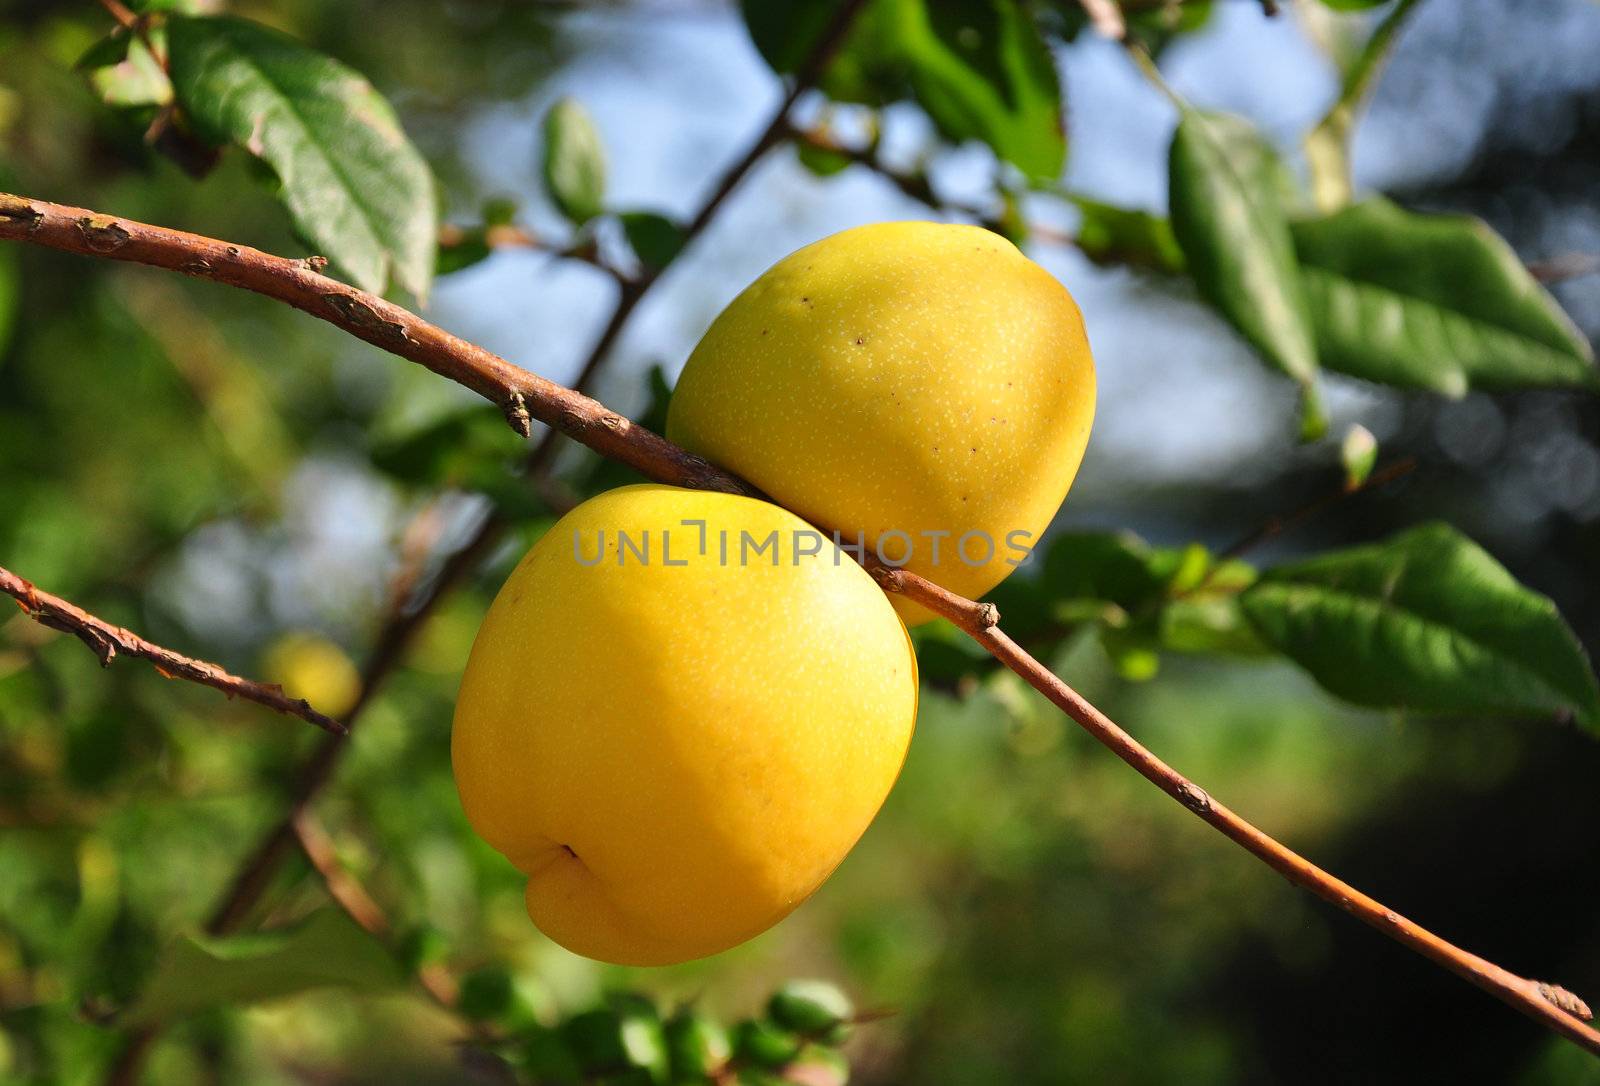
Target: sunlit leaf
1426 621
328 949
1436 302
353 183
574 166
1228 216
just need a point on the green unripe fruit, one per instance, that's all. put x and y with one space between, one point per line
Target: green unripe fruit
605 1041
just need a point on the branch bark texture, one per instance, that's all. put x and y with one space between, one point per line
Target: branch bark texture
108 642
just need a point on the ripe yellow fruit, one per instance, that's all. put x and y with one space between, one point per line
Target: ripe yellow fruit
901 380
678 748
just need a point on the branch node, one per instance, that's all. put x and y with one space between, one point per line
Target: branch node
516 409
889 578
16 209
103 234
988 616
315 263
1194 797
198 266
352 310
1567 1001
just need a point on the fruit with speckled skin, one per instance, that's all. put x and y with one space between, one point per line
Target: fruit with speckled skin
677 749
912 377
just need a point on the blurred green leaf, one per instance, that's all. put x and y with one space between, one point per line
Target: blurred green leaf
979 68
123 73
1115 235
821 161
617 1040
655 239
1209 624
574 168
1436 302
1426 621
354 185
199 973
764 1044
983 71
1228 216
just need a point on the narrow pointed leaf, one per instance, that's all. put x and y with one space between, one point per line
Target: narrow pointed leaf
1426 621
1227 208
1436 302
354 185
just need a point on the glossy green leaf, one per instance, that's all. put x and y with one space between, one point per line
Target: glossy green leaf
328 949
1435 302
1228 216
1110 235
655 239
1426 621
574 167
979 68
353 183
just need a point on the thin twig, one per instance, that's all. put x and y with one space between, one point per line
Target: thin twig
1276 525
108 641
653 456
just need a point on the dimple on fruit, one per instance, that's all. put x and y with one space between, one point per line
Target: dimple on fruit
678 743
924 384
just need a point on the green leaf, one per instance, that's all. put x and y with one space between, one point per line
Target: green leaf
654 238
1436 302
979 68
983 71
123 74
821 161
574 162
1115 235
201 972
1426 621
354 185
1226 197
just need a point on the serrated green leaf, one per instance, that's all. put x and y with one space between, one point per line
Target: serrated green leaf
328 949
354 185
655 239
1228 216
574 166
1436 302
1116 235
1426 621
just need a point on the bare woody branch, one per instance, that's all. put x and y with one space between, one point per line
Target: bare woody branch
653 456
108 642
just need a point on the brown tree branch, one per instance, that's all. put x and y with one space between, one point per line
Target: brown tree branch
653 456
108 641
